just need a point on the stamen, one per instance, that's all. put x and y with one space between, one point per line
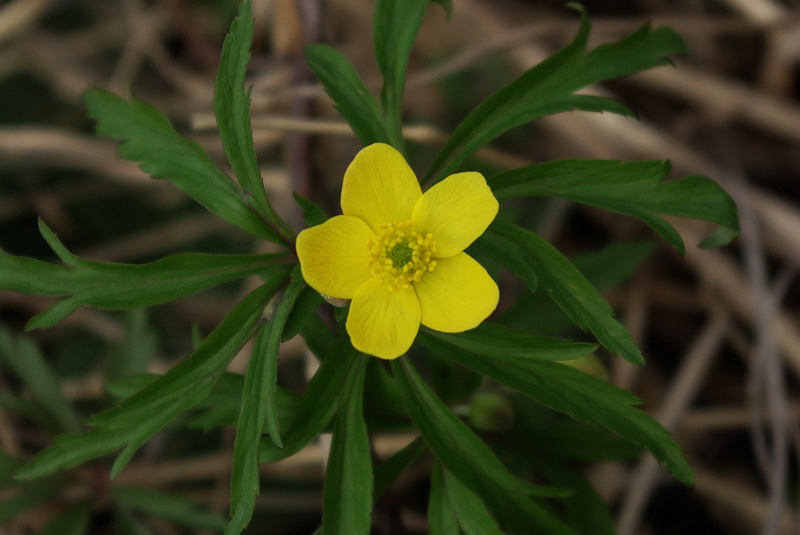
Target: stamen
401 256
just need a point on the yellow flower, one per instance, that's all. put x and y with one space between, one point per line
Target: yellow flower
398 254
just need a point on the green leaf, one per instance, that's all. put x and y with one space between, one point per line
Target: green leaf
152 142
319 404
636 189
493 340
258 407
172 507
502 251
394 29
222 406
605 268
549 88
347 494
441 510
307 303
341 81
313 214
143 414
472 461
28 364
232 109
570 290
584 398
123 286
473 517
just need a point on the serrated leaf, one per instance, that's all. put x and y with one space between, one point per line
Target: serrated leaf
354 102
259 408
347 494
28 364
150 140
570 290
494 340
549 88
122 286
232 109
172 507
584 398
140 416
636 189
471 460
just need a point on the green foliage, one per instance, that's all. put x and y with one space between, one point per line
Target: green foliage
352 99
472 461
472 515
144 413
347 497
27 363
258 407
570 290
582 397
493 340
319 404
150 140
232 109
395 26
476 488
631 188
120 286
550 86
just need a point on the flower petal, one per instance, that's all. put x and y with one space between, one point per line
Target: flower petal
457 296
334 255
379 186
382 322
456 211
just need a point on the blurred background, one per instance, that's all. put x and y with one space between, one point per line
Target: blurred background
720 329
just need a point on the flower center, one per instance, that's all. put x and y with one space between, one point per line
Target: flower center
400 256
